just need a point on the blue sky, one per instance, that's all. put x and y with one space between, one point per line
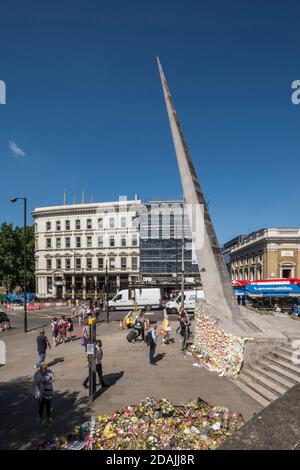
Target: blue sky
85 105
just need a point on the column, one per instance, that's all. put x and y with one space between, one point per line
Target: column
41 287
73 287
96 289
84 286
53 288
37 285
64 288
44 286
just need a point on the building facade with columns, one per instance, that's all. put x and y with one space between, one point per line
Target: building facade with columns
80 247
265 254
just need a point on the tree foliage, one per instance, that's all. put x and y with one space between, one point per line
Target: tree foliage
12 257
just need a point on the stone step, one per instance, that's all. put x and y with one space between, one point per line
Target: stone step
282 355
282 371
283 363
285 352
249 391
276 377
264 392
287 349
265 382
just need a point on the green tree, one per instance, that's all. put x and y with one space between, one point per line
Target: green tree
12 257
30 239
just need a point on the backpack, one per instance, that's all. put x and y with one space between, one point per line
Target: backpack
55 328
63 327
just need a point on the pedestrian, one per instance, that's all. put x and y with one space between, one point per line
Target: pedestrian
277 308
165 329
181 310
42 345
84 337
99 370
70 329
44 379
81 316
55 331
151 340
140 325
63 329
184 330
295 310
74 310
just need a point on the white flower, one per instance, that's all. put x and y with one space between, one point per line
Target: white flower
216 426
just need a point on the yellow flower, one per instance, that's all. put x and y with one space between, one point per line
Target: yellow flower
108 431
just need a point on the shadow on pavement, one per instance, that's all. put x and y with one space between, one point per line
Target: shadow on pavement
56 361
159 357
19 415
110 380
38 328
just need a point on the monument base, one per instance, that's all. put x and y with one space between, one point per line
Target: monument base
259 334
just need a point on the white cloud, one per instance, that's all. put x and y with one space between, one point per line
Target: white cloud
17 151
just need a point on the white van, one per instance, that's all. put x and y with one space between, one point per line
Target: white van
189 301
147 298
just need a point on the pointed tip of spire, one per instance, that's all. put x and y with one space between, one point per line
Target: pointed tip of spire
161 72
158 63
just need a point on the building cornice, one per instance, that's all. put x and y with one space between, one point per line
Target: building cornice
63 212
92 208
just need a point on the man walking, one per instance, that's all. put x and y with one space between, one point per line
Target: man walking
152 341
42 344
184 330
99 370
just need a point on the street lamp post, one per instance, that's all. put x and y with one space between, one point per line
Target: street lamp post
13 200
106 290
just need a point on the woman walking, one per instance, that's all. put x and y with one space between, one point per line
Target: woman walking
55 331
84 338
70 329
63 328
44 379
165 329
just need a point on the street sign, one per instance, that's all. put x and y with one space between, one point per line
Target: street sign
90 349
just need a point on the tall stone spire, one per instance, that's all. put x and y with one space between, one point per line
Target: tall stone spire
215 278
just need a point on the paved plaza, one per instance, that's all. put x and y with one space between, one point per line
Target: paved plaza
127 371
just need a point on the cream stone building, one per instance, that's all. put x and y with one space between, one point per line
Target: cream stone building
80 246
265 254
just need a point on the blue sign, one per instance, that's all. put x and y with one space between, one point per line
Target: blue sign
20 297
274 290
239 291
